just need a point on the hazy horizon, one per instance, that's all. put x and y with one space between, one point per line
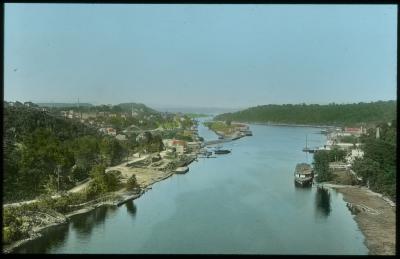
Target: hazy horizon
198 56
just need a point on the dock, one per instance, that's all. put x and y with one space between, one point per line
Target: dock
216 142
310 150
182 170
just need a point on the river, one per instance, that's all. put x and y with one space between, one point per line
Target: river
244 202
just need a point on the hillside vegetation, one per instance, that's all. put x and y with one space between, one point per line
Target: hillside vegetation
44 153
315 114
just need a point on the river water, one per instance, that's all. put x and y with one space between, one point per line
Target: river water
244 202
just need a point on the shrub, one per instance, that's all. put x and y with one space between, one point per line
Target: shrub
132 184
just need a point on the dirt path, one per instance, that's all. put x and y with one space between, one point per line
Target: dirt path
376 217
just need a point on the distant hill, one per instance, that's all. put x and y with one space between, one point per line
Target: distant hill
137 107
202 110
59 105
315 114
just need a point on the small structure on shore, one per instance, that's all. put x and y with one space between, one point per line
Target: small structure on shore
182 170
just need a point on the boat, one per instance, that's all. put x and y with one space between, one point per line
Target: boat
221 151
309 150
237 137
303 174
182 170
248 133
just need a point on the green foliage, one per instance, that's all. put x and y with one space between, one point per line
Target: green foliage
176 134
337 114
42 151
111 151
336 154
102 182
349 139
150 143
321 165
378 166
132 183
322 158
11 227
219 126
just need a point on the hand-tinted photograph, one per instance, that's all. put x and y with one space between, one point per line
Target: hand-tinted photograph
251 129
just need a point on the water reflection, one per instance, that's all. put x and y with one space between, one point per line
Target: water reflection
131 208
51 238
323 202
55 237
300 187
83 224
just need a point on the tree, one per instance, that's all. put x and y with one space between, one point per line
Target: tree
102 182
321 165
132 183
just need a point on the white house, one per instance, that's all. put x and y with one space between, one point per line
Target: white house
355 153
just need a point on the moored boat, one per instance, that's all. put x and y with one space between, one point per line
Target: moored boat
303 174
221 151
248 133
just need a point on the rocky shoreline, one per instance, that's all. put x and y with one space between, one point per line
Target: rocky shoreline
121 198
375 216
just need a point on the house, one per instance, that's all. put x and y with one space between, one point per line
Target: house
180 146
111 131
194 145
354 131
167 142
355 153
346 146
170 153
103 130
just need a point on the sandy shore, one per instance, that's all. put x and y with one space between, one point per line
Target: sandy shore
375 216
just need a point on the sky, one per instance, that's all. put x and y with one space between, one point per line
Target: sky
200 55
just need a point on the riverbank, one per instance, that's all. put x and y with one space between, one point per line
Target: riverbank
375 216
145 176
232 131
288 124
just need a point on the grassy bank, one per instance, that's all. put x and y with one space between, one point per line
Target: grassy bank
220 127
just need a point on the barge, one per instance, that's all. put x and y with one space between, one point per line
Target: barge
303 174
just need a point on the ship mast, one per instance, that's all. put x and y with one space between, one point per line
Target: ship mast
306 149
